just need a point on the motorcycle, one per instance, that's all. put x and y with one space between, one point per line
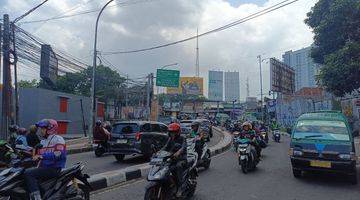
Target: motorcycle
162 182
276 135
204 159
247 155
100 147
71 184
264 136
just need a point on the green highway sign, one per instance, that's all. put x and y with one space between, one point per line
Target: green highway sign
167 78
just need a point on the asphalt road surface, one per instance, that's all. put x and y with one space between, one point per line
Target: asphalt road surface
273 179
95 165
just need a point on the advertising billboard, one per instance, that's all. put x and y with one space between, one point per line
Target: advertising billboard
188 86
282 77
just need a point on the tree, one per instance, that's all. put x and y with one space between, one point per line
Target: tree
336 25
28 84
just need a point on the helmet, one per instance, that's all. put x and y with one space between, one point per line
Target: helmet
13 128
195 124
22 131
248 124
33 129
98 122
174 127
50 124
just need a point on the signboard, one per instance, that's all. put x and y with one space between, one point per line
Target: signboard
167 78
282 77
48 64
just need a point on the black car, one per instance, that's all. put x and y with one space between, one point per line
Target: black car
137 137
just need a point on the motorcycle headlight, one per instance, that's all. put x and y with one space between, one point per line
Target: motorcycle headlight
297 153
243 145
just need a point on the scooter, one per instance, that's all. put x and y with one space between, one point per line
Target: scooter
100 147
246 155
162 182
204 159
276 135
71 184
264 135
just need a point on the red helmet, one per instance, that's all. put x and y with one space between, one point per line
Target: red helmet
174 127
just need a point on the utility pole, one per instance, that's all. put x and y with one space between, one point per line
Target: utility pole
197 74
233 109
148 96
247 87
261 89
6 90
126 90
15 75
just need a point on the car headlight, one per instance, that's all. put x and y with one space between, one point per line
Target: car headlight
345 156
297 153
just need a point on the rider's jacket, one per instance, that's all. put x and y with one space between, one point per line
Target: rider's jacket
53 152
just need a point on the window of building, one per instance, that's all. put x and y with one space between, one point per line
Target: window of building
63 104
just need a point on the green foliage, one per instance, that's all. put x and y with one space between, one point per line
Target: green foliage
336 25
28 84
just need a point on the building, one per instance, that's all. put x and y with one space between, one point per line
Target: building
304 66
216 84
232 86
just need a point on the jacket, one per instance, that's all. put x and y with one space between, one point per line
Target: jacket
53 152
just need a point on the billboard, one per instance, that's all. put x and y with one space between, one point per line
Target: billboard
48 64
188 86
216 81
282 77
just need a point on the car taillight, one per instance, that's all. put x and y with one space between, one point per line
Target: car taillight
138 136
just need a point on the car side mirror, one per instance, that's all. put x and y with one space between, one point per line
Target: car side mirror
355 133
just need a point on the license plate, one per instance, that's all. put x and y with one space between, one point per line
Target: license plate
322 164
242 157
121 141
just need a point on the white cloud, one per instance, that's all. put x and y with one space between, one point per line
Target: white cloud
161 21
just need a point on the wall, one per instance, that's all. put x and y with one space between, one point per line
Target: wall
232 86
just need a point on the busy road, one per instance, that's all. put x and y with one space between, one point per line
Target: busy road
273 179
105 163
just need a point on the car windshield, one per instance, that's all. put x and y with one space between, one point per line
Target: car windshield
321 129
126 128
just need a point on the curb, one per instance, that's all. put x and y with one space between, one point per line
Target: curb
111 178
80 150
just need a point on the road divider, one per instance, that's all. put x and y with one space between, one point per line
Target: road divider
111 178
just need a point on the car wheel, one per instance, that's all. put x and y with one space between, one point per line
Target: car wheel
297 173
119 157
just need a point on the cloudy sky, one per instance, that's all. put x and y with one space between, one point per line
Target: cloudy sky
144 23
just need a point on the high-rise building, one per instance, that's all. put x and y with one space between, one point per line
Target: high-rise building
304 66
232 86
216 83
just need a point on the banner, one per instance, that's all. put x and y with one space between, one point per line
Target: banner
188 86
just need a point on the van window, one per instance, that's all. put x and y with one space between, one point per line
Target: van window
125 128
321 129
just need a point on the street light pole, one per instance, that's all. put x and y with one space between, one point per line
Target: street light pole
261 89
93 98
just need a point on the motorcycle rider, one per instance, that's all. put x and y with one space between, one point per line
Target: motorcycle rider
101 133
21 137
32 138
177 144
248 132
51 155
274 125
13 134
199 137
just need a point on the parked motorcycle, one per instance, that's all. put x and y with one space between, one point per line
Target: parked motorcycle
276 135
247 155
162 182
70 184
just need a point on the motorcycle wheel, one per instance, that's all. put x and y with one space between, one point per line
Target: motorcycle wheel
84 192
208 160
151 194
244 167
99 151
192 184
119 157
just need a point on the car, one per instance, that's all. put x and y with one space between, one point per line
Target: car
323 141
137 137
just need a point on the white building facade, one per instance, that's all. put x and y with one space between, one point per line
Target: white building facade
232 86
304 66
216 84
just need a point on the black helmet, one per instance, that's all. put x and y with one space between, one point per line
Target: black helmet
195 124
13 128
98 122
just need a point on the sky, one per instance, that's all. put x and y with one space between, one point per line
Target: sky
146 23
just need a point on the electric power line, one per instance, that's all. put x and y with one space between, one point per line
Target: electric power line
28 12
227 26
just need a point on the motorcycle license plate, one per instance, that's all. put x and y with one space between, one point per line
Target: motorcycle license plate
242 157
121 141
318 163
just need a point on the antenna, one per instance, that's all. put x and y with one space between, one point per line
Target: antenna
197 74
247 87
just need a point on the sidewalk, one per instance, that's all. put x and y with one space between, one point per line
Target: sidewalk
78 145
